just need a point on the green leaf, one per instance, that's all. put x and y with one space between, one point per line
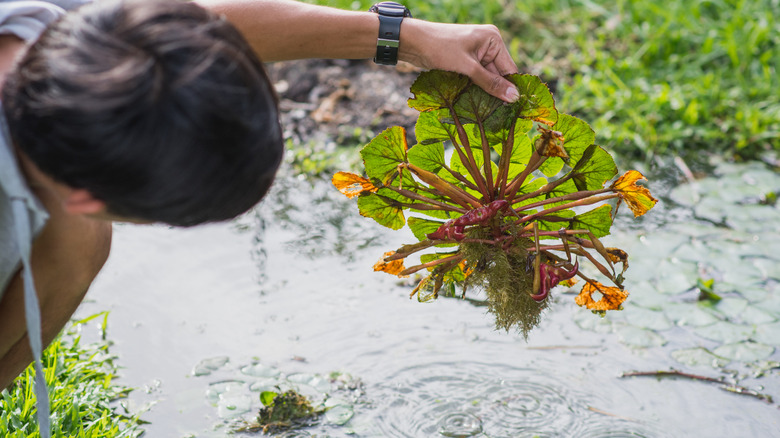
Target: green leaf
384 207
594 169
437 89
535 102
551 166
549 222
430 127
422 227
706 292
531 186
598 221
475 105
429 157
267 397
577 134
384 153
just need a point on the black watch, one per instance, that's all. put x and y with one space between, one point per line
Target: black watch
391 14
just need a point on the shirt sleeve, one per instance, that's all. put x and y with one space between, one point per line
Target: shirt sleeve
28 18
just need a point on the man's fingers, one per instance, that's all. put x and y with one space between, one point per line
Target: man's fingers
505 64
494 84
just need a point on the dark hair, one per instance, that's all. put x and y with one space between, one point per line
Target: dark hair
158 108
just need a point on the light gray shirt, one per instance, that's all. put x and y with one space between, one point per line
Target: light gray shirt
22 216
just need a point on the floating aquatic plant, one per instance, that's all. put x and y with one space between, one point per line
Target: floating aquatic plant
283 411
522 196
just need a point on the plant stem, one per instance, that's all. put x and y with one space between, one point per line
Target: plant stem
411 195
568 197
464 140
411 270
721 384
461 178
408 250
534 162
547 188
506 159
578 203
455 193
486 161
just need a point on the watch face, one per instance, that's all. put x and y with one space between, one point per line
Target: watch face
391 9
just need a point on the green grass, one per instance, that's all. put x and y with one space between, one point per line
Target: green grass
81 389
675 77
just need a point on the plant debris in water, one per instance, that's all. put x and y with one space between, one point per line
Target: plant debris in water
283 411
522 198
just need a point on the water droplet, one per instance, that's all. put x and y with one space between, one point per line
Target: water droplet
460 425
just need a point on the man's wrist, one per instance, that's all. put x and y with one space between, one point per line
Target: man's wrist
412 45
391 15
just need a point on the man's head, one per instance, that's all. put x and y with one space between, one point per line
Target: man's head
159 109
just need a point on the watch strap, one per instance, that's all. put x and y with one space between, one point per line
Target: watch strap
390 14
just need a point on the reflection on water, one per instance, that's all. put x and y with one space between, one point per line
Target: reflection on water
318 221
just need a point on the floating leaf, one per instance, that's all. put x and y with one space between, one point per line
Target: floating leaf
640 338
393 267
611 297
745 351
638 198
267 397
384 153
352 184
699 356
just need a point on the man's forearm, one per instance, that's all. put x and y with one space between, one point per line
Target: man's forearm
285 29
282 29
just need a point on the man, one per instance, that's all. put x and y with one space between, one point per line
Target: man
158 111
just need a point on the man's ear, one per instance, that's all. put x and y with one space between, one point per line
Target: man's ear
81 201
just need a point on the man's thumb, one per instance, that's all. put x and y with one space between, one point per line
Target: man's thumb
496 85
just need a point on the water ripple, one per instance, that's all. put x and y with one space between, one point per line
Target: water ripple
460 425
467 399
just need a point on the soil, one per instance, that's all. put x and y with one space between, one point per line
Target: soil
332 98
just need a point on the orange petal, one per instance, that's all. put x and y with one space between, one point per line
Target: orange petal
638 198
611 297
393 267
352 184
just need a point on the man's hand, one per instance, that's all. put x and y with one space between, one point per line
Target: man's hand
474 50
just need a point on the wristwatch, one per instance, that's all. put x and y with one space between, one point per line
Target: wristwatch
391 14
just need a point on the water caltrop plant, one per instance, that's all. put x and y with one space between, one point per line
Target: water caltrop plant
507 198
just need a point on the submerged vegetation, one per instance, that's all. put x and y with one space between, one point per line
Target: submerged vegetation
283 411
81 389
508 211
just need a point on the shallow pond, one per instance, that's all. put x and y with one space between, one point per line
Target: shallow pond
206 318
